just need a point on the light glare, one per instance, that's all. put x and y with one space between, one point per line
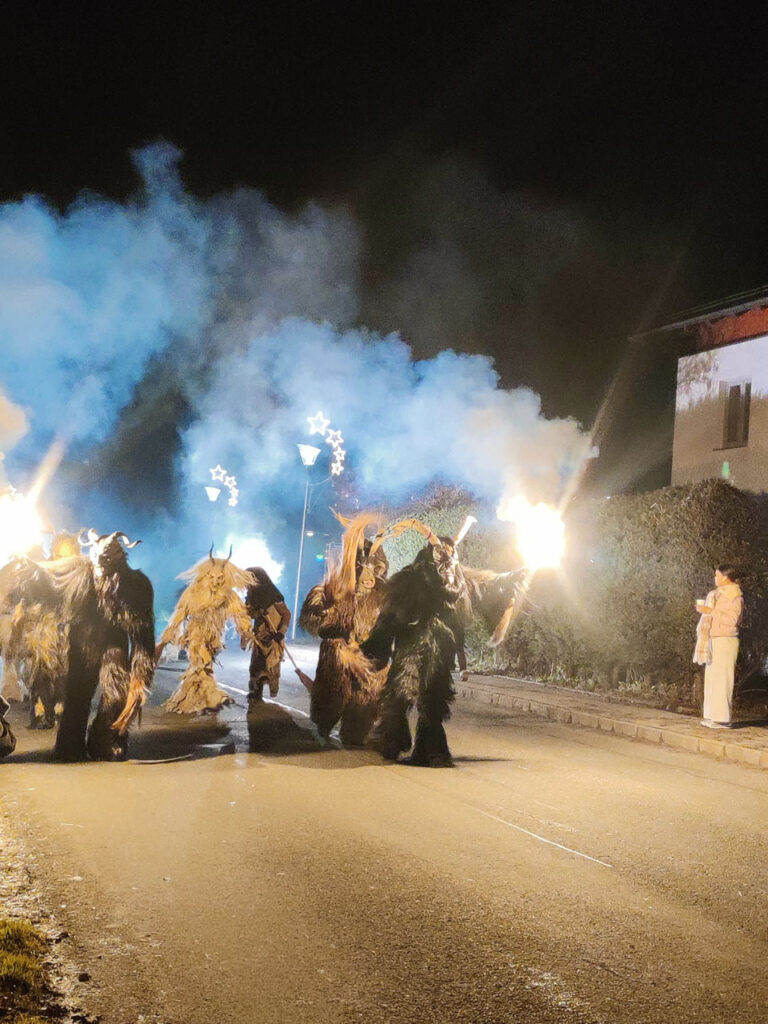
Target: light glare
540 532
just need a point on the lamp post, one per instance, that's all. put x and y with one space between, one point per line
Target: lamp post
308 455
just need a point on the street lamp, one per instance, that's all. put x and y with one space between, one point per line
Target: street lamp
308 454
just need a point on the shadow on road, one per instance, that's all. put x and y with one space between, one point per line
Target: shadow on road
272 730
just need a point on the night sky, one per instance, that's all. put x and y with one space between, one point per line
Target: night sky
536 181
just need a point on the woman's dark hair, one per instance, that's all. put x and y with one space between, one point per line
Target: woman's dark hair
730 571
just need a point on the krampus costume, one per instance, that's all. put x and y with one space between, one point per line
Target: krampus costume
342 611
7 739
421 629
271 619
110 611
35 641
104 611
197 625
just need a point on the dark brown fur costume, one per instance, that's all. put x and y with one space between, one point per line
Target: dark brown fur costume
342 612
108 608
418 633
36 638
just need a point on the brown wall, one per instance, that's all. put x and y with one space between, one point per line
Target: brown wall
697 452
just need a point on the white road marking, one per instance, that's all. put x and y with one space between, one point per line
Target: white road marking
550 842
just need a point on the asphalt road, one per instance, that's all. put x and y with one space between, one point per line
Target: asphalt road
236 872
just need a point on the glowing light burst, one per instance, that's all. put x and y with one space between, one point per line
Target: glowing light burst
20 525
540 532
248 551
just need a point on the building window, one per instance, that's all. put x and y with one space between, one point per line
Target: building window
735 400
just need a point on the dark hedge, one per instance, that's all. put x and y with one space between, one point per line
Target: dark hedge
621 613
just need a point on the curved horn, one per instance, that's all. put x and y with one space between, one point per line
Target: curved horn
397 528
84 543
128 542
93 537
367 575
468 523
230 553
210 553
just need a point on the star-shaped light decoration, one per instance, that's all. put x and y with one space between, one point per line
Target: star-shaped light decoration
229 481
334 438
318 424
336 469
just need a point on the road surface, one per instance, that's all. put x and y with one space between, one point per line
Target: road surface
554 875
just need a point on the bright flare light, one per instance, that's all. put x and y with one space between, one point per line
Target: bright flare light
248 551
20 525
540 532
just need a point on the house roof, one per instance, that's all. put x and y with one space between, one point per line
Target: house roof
734 306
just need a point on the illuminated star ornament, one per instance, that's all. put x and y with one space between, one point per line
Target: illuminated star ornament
218 473
319 424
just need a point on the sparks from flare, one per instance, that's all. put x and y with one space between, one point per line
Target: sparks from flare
540 532
20 525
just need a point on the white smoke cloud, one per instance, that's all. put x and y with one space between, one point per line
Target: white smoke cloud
13 426
405 423
247 312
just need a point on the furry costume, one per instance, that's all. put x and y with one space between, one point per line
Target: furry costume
197 625
419 632
107 610
39 641
342 611
110 611
10 684
36 638
271 619
7 739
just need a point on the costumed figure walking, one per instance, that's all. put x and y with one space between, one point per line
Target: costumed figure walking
342 611
197 626
7 738
36 639
418 634
271 618
105 610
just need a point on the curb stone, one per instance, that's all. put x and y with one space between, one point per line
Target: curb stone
647 725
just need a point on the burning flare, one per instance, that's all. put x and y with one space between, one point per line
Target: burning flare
540 532
20 525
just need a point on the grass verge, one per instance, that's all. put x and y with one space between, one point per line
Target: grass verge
22 976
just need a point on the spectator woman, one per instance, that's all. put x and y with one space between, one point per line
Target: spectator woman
718 645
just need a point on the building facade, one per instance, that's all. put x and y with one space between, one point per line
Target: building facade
721 407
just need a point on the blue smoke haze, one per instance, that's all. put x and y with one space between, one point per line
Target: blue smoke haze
249 314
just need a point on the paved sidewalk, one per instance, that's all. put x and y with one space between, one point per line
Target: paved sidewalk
747 743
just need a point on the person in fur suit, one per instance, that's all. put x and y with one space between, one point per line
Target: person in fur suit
342 611
7 738
197 626
36 639
271 619
418 634
110 611
107 610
